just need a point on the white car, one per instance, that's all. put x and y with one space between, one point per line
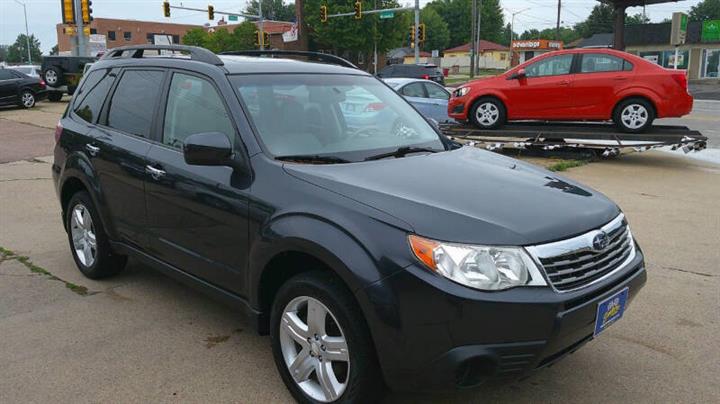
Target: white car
30 70
429 97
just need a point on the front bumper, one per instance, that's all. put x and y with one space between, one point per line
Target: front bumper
457 108
432 334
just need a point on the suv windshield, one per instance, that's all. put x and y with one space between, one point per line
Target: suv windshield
345 116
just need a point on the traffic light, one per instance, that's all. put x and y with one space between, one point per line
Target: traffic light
421 33
166 8
262 38
86 11
211 13
68 11
266 38
412 33
258 38
358 10
323 14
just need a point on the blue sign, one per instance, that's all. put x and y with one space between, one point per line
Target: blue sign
610 310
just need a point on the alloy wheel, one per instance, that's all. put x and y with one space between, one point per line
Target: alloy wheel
82 230
28 100
314 349
487 114
634 116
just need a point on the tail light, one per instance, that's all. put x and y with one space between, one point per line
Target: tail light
42 84
374 107
681 79
426 76
58 131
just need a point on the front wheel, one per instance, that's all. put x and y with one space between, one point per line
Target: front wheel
634 115
488 113
27 99
321 346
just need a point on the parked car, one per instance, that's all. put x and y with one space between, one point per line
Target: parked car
371 257
63 73
430 98
30 70
576 85
20 89
425 71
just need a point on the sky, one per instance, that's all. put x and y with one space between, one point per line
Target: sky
44 14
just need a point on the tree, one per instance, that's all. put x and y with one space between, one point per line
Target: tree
195 37
3 53
437 35
458 16
705 10
220 41
17 52
506 35
273 10
347 34
55 50
600 20
567 35
244 36
638 18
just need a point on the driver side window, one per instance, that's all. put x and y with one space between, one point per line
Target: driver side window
551 66
194 106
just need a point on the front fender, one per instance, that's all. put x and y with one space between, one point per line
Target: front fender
78 166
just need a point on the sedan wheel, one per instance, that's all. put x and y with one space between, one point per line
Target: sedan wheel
82 231
314 349
27 99
487 114
634 116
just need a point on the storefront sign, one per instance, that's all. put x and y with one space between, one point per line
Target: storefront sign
710 31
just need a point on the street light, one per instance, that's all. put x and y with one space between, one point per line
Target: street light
512 32
27 32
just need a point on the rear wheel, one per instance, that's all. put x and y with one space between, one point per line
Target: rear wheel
488 113
88 242
27 99
634 115
321 346
53 76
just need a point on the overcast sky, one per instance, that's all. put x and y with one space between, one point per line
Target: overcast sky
44 14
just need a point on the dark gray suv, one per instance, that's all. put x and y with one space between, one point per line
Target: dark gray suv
374 254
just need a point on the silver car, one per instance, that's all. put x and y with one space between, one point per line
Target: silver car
430 98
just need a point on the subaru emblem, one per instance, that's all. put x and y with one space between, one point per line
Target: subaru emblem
600 241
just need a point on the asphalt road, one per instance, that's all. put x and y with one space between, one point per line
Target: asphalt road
141 337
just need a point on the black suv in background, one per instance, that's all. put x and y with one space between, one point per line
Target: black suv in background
19 89
415 71
373 255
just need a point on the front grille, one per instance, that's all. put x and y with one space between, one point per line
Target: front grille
575 263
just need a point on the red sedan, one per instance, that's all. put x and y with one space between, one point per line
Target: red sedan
576 85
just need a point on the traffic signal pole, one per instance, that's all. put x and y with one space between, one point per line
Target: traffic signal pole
80 34
417 32
258 17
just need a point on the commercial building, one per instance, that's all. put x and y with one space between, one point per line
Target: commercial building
526 49
491 56
700 55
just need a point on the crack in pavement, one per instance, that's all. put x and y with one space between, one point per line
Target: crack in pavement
6 255
26 179
687 271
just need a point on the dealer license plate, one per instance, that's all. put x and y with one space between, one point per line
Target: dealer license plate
610 310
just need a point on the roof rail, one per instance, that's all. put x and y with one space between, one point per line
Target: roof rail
321 57
196 52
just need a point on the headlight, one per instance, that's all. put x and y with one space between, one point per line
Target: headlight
461 91
479 267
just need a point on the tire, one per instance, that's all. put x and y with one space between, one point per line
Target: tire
103 263
634 115
359 379
27 99
488 113
55 96
53 76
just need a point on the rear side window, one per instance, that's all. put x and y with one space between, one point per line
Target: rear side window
194 106
414 90
133 104
437 92
92 93
599 62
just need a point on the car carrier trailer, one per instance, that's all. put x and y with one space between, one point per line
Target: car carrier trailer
602 139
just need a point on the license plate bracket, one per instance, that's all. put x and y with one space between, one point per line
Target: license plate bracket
610 310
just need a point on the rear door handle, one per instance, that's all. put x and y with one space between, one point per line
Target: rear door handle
619 78
564 83
156 173
93 150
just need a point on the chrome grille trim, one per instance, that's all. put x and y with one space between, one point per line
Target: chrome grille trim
562 259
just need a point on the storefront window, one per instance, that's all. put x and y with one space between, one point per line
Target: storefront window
667 58
710 63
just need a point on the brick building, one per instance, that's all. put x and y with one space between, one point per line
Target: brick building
126 32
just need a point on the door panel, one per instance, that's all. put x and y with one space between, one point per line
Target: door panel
545 92
599 79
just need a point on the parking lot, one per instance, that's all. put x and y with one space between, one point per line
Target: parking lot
141 337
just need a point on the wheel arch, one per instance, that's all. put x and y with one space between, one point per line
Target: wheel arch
644 95
488 94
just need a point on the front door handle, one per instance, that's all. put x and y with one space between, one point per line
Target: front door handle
564 83
156 173
92 149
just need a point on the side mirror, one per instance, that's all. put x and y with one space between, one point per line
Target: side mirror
520 74
208 149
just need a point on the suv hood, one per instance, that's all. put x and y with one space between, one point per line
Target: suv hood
468 195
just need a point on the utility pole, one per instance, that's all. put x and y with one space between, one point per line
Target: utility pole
417 32
512 30
27 32
375 42
80 34
557 29
477 37
261 25
473 16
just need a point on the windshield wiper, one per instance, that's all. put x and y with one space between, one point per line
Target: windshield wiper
313 158
401 152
